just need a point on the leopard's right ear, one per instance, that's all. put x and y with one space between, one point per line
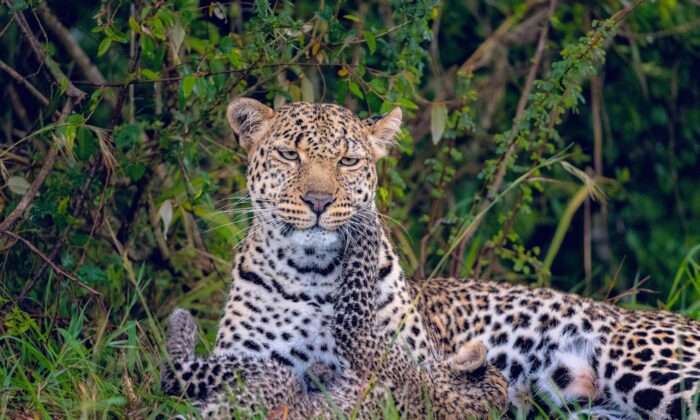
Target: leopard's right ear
249 119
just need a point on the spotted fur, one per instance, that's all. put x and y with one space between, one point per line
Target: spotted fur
462 385
311 183
620 363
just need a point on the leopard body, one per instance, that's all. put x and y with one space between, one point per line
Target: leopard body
613 362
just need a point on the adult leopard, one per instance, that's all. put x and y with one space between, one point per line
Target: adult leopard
306 181
311 169
463 385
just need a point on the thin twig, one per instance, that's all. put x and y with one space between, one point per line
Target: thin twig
57 268
44 58
676 30
82 60
21 79
487 46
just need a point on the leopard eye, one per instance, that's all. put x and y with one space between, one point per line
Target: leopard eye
349 161
288 154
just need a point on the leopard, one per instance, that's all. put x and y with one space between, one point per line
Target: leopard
312 172
311 184
463 385
556 348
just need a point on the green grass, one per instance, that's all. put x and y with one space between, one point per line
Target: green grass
88 363
83 367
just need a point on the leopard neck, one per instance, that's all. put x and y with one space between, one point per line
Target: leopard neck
290 262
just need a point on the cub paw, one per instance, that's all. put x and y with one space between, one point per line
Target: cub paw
470 357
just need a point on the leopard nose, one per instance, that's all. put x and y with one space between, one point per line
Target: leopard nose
318 201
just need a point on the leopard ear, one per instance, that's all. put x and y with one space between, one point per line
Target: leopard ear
383 130
249 119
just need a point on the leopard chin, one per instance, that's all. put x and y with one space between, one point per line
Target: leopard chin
317 238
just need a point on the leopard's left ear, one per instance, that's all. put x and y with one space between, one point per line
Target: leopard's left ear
382 132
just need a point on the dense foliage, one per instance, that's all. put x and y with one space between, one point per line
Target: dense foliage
551 143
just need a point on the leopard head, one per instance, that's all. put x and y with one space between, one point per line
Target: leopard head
311 166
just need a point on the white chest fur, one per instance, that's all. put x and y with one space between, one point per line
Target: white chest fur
280 304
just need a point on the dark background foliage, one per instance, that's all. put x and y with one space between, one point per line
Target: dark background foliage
539 147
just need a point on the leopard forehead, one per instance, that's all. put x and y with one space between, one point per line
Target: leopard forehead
319 130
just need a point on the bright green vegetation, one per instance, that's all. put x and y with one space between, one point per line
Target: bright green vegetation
550 143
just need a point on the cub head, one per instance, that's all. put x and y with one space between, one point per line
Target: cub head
311 166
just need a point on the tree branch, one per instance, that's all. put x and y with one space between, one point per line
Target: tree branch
57 268
49 161
90 70
24 82
44 58
482 54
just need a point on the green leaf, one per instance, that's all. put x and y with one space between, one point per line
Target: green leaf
371 42
378 85
156 27
91 274
87 144
438 120
234 57
135 171
18 6
178 37
128 135
355 89
188 85
115 35
341 90
76 119
407 104
134 25
150 74
71 132
63 84
383 194
352 18
386 107
204 89
104 47
295 92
